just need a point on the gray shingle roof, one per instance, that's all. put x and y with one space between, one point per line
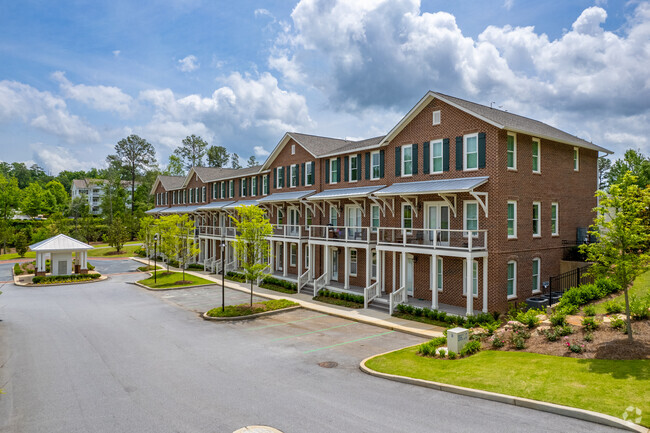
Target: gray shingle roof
321 146
434 186
339 193
209 174
171 182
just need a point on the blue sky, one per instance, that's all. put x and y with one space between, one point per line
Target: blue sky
77 76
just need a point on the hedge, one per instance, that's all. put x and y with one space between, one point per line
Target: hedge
342 296
236 276
51 279
585 293
442 316
288 285
196 266
18 270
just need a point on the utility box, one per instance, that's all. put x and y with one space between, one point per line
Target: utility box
457 338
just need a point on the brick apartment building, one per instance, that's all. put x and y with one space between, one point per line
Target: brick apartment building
457 198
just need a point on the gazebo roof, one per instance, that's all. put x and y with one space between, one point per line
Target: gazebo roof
60 243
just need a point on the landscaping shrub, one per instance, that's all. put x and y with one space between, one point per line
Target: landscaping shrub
589 337
590 310
589 324
585 293
498 342
529 318
244 310
639 307
282 283
442 353
470 348
18 270
52 279
236 276
341 296
140 252
429 348
491 327
551 334
574 347
198 266
558 319
564 330
619 324
173 263
481 319
452 355
613 307
514 308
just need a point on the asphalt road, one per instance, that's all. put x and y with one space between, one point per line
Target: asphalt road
111 357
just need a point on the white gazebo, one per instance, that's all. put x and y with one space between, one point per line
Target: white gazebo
60 248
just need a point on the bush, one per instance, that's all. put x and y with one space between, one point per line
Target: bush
481 319
18 270
518 341
271 281
470 348
173 263
429 348
589 337
452 355
442 353
245 310
236 276
564 330
613 307
639 307
341 296
90 267
575 347
551 334
590 310
585 293
619 324
558 319
498 342
53 279
529 318
196 266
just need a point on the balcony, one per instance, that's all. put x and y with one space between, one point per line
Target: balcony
463 240
342 234
210 231
290 231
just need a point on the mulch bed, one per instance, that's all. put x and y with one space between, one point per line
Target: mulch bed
183 282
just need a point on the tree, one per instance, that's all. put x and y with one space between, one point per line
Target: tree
20 242
234 161
217 156
134 154
252 246
623 232
9 200
604 165
61 198
117 235
114 197
192 151
636 163
33 203
145 234
79 207
188 247
252 161
6 234
167 229
174 166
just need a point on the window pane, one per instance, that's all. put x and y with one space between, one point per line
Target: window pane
472 160
471 144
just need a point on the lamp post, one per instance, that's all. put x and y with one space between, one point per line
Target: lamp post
155 258
223 277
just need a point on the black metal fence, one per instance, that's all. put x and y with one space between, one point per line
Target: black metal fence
558 284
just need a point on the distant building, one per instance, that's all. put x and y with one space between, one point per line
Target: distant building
92 189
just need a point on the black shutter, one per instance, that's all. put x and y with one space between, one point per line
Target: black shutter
358 167
327 171
298 175
445 154
274 177
398 161
414 152
481 150
459 153
338 169
367 165
382 158
302 174
346 164
425 157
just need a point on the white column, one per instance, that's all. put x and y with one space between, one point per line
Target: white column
326 264
485 284
299 246
402 270
311 261
272 256
368 266
394 271
434 282
346 267
84 260
380 270
285 263
469 285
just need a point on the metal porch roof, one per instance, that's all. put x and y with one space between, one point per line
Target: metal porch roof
181 209
215 205
341 193
465 184
241 203
286 196
156 210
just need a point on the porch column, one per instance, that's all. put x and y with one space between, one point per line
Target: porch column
346 258
380 270
469 283
299 246
272 256
311 261
326 264
84 260
284 259
485 284
434 282
402 270
394 272
368 267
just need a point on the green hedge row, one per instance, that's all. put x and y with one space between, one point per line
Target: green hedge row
49 279
236 276
342 296
441 316
282 283
585 293
196 266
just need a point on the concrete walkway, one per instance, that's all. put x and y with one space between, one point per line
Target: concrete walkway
368 316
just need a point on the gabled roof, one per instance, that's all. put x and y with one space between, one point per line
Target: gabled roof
168 182
500 119
60 243
209 174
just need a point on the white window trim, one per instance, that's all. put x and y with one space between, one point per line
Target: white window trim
293 149
539 219
539 155
334 161
441 274
514 280
350 159
280 217
308 213
329 219
402 153
442 166
372 207
465 203
465 137
356 262
436 118
308 165
372 171
557 218
265 183
253 186
279 170
293 254
539 273
474 277
514 153
374 253
514 235
576 159
231 188
408 231
242 187
291 168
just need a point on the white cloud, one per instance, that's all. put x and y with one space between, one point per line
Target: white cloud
116 53
261 152
188 64
104 98
508 4
263 12
58 158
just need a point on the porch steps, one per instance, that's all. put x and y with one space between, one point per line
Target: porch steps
380 304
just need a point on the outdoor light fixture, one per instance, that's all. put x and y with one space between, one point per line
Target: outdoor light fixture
155 258
223 277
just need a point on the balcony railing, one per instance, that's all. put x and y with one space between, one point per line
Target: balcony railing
342 234
290 231
468 240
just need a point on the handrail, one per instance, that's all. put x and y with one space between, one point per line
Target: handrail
397 297
341 233
217 266
266 270
467 240
318 281
230 265
371 292
302 280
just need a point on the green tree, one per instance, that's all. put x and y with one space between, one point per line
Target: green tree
60 195
20 242
33 203
20 171
192 151
623 232
88 229
217 156
234 161
145 234
252 161
174 166
188 245
135 155
603 166
633 161
168 231
6 234
9 196
114 198
252 246
117 235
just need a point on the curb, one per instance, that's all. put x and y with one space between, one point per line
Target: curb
250 316
572 412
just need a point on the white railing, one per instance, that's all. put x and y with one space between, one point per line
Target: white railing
302 280
290 231
397 297
265 271
209 231
342 233
468 240
217 266
371 292
230 232
319 283
230 266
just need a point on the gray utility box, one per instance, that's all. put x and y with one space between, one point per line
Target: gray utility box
457 338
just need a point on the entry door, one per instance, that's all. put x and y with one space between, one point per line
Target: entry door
409 275
439 219
293 221
335 265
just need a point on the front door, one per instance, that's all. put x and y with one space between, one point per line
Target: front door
279 255
293 222
335 265
439 220
409 275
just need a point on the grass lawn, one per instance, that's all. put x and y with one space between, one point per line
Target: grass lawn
13 256
168 281
245 310
127 251
604 386
640 288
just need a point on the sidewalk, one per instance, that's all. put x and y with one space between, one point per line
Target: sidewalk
368 316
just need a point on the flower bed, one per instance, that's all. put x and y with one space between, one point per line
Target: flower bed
59 279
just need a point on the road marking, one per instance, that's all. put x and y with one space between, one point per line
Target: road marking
348 342
313 332
287 323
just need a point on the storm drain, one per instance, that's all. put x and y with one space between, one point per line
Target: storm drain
328 364
257 429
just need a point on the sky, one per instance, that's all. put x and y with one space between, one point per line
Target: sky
77 76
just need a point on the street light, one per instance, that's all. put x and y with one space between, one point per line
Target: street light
223 277
155 258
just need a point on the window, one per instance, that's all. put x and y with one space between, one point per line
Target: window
512 279
536 158
536 284
470 152
184 196
440 273
294 175
215 190
280 177
354 168
306 256
536 222
309 172
436 157
375 162
223 189
308 217
334 170
512 151
407 217
265 184
293 254
253 185
436 118
293 149
191 200
373 265
280 216
353 263
203 194
471 218
374 217
576 159
232 188
333 215
407 160
554 227
474 278
512 220
243 188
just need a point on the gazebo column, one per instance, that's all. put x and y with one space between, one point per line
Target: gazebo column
84 262
40 263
